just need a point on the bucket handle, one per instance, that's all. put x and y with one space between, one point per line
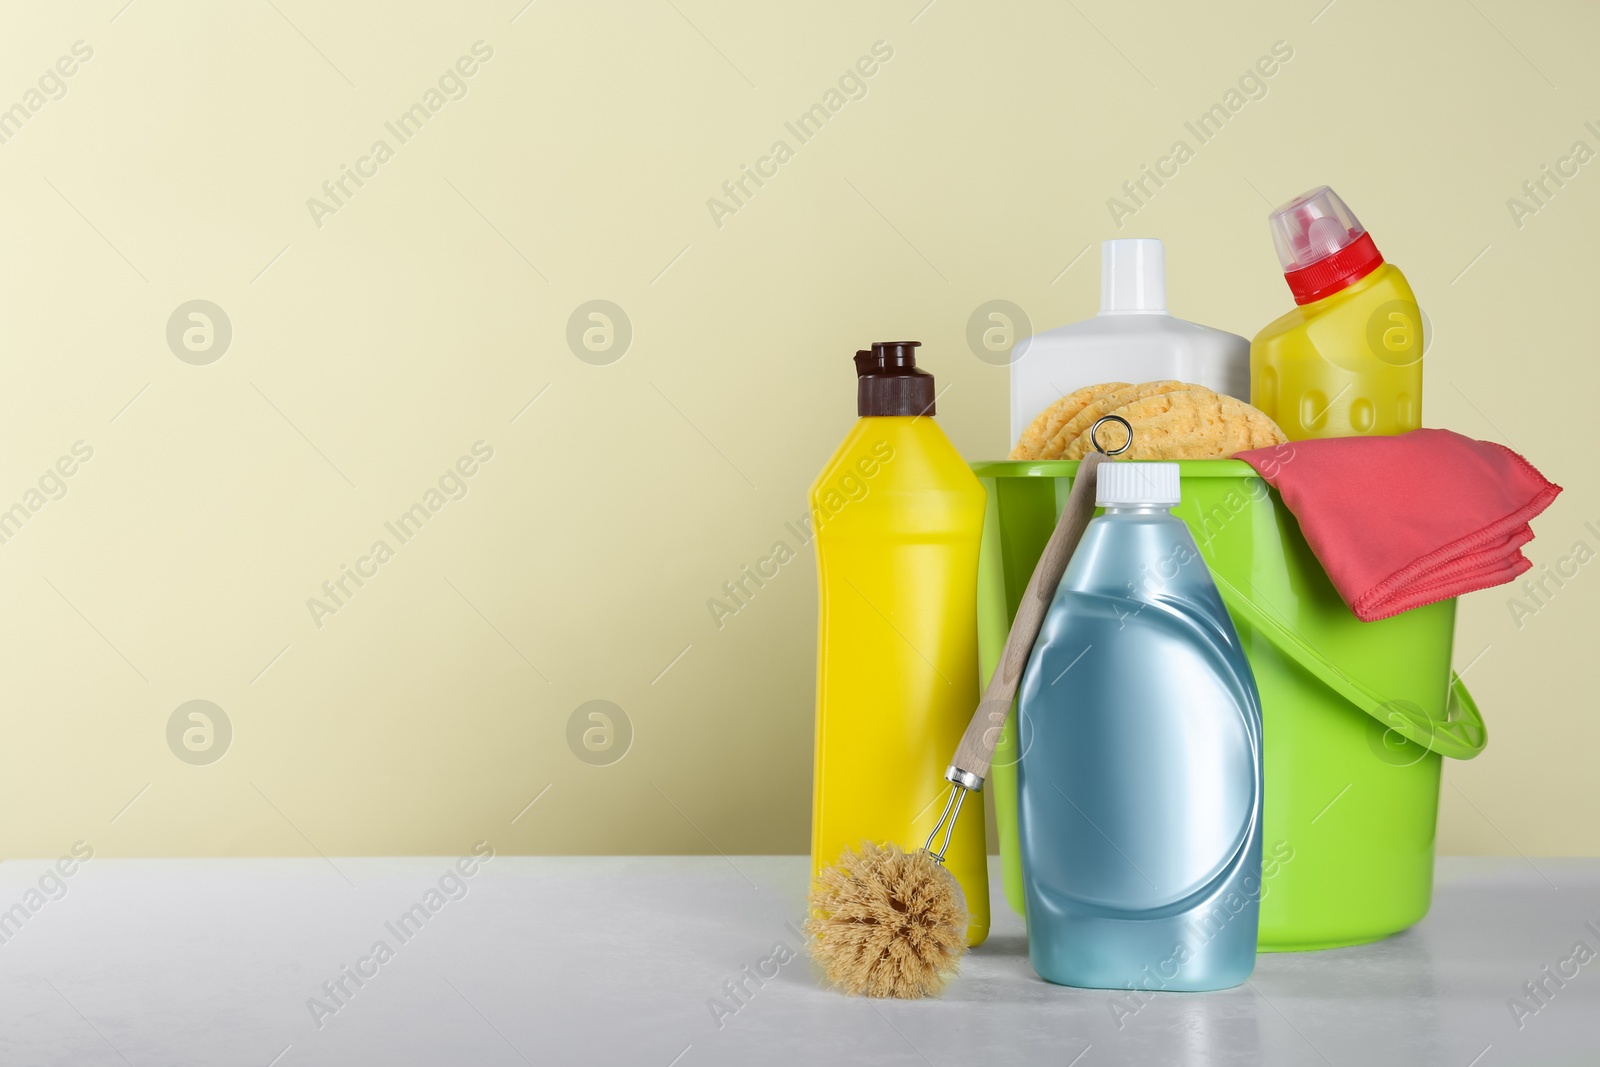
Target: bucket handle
1459 734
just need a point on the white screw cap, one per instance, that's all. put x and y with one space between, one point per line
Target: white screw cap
1133 277
1132 484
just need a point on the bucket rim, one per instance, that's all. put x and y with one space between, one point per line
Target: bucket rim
1459 733
1066 468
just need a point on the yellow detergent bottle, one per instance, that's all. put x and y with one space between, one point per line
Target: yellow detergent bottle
898 517
1347 361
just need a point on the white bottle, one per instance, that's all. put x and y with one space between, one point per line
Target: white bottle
1132 340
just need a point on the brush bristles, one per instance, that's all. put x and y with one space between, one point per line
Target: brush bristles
886 923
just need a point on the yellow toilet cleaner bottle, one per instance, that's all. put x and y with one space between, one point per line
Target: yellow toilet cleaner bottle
898 517
1347 361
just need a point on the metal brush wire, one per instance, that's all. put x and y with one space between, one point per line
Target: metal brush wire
952 812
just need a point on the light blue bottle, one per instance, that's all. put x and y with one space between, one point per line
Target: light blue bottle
1139 785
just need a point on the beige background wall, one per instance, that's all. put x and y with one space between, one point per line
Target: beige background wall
370 352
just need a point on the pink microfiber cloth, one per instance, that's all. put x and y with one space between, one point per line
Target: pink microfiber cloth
1399 522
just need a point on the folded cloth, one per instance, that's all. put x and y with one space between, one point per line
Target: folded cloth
1398 522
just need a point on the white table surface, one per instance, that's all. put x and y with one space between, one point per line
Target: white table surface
577 960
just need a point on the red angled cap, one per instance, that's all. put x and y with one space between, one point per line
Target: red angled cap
1321 244
1342 269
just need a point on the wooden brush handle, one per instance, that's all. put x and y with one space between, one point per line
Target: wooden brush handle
975 753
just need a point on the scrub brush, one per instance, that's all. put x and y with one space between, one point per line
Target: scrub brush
887 923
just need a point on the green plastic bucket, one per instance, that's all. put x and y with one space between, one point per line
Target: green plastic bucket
1357 715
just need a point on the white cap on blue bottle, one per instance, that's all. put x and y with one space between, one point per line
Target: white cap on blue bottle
1133 484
